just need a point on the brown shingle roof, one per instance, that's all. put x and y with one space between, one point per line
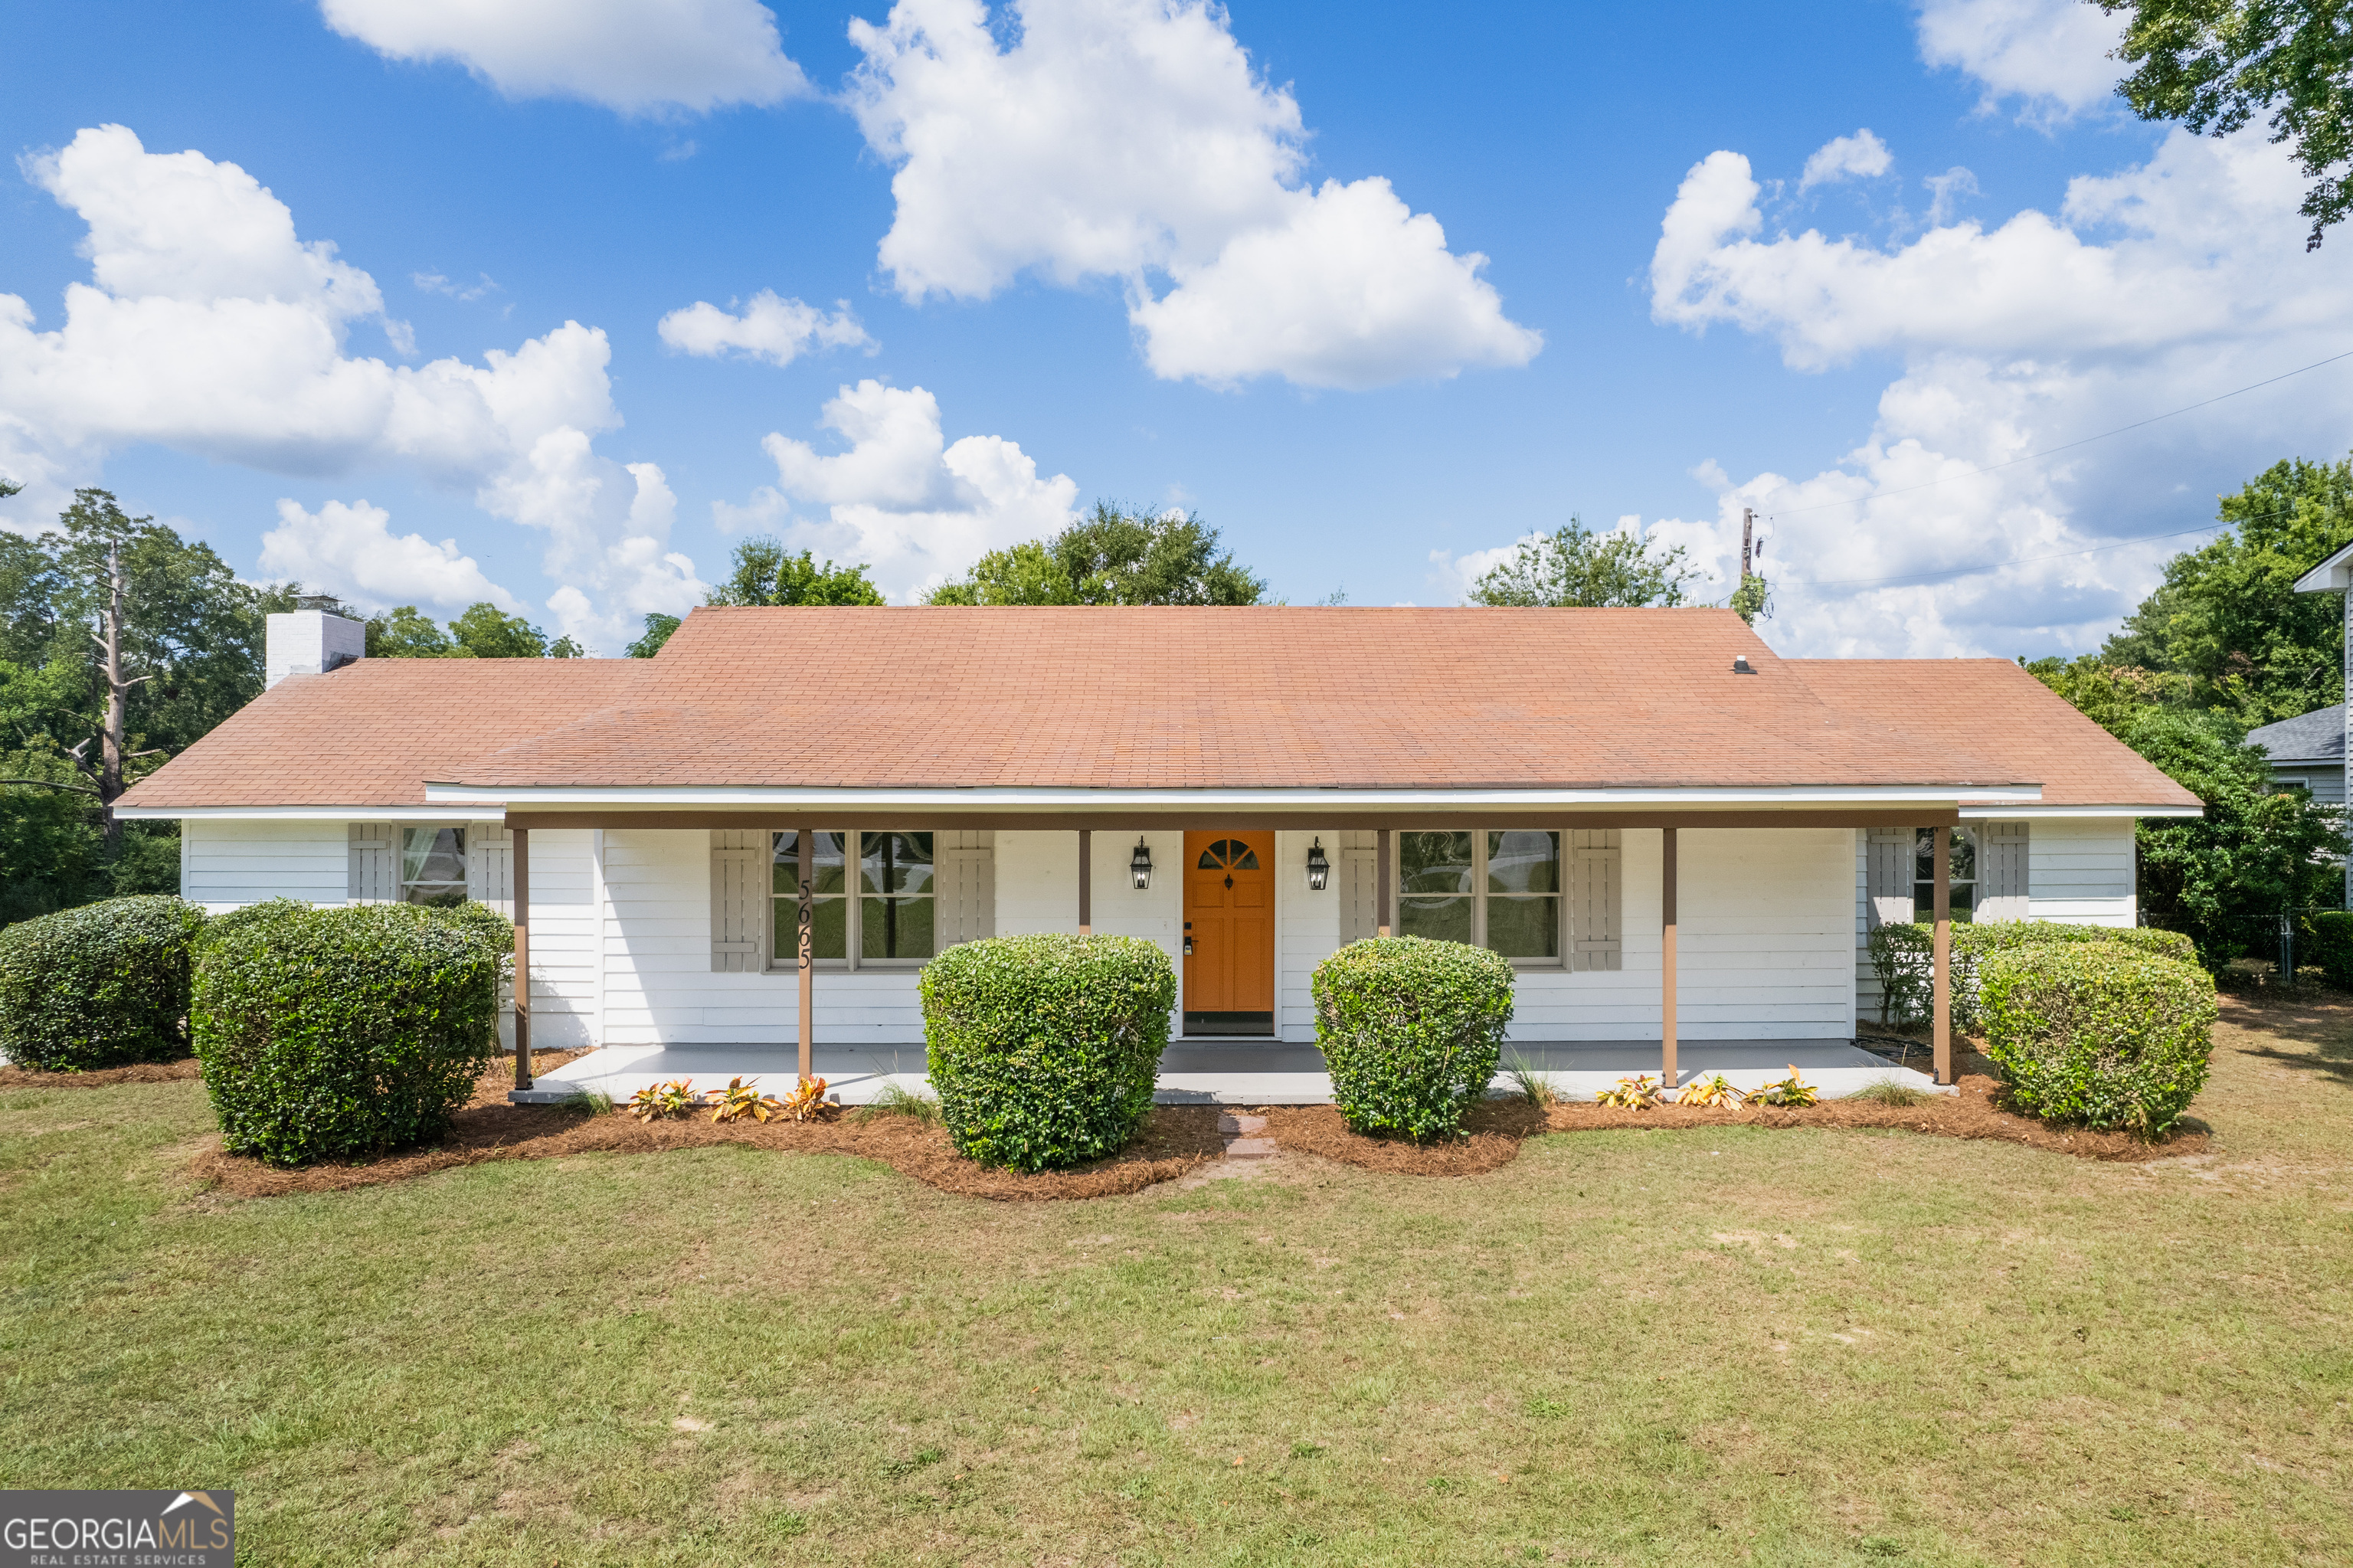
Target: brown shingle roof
1149 698
371 733
1999 711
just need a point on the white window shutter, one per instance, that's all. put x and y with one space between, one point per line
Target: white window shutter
740 859
1360 893
1887 873
490 867
965 876
1596 893
2002 871
374 863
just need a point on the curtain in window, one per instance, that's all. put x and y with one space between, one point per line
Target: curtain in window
433 866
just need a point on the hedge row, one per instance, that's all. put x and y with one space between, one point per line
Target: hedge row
1902 957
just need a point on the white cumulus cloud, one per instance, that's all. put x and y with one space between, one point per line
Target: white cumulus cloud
2149 291
636 56
351 551
1354 290
2050 54
210 327
776 329
1860 156
1132 140
898 497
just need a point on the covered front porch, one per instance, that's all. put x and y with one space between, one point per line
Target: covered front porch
1762 981
1237 1073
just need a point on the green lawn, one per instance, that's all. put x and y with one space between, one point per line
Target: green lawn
1734 1346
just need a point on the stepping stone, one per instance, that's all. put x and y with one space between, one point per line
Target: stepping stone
1249 1149
1231 1123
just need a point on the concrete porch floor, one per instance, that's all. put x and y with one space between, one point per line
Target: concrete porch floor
1232 1072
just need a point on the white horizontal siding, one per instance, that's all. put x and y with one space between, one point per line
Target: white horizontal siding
2082 872
2326 784
1037 882
1866 981
1117 909
1765 920
1307 931
563 920
659 985
228 864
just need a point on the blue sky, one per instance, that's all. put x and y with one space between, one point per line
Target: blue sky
1113 248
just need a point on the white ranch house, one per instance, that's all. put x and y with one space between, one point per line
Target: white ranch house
1680 839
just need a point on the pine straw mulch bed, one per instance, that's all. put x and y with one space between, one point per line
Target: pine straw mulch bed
1497 1128
1174 1140
102 1078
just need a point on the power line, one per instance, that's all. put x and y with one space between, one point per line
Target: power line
2070 446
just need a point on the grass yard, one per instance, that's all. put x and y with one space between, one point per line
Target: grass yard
1734 1346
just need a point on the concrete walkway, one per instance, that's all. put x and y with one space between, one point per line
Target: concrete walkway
1228 1073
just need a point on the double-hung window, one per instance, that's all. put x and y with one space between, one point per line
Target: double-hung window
875 910
1498 889
433 866
1963 879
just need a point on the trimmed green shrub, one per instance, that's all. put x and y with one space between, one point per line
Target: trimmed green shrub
481 918
1045 1049
339 1033
230 921
1410 1028
1902 954
100 986
2096 1034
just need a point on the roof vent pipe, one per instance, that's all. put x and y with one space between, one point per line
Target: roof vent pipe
1740 665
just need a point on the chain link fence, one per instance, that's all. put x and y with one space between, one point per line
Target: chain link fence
2295 950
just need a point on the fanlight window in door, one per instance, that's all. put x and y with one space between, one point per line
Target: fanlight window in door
1228 854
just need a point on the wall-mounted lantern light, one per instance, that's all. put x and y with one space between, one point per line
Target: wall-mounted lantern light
1319 869
1140 865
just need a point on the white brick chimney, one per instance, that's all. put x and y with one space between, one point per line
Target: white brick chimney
311 641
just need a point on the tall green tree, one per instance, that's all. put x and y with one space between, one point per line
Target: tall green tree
1115 556
121 643
762 572
483 631
2258 852
2215 65
1573 565
658 628
765 573
2222 645
2227 618
171 638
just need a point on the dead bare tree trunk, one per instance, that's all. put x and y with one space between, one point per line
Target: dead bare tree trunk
118 691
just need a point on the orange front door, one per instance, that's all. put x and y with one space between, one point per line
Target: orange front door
1230 923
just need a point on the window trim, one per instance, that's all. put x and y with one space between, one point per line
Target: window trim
1563 956
854 924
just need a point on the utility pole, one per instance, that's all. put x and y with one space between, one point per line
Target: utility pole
1747 535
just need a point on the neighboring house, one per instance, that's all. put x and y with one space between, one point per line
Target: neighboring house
1249 787
2308 750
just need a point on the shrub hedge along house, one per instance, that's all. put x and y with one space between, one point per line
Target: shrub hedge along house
1670 834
